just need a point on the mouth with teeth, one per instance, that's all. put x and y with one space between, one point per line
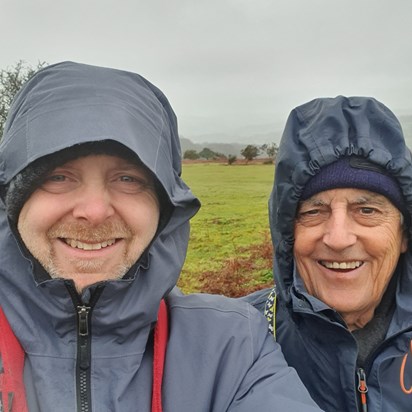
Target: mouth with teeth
77 244
350 265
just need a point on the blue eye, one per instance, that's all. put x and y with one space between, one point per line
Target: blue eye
130 184
58 183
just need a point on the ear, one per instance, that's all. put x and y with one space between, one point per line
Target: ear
404 244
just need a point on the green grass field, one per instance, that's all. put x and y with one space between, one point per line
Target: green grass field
231 226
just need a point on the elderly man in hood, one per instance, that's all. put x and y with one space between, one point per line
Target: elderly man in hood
340 214
94 227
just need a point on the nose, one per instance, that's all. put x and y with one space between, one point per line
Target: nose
339 233
93 204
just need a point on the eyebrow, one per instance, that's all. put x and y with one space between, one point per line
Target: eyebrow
372 198
313 202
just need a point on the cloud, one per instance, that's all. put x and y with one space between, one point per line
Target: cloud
227 64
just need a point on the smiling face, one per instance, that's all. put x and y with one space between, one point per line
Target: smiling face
347 246
91 219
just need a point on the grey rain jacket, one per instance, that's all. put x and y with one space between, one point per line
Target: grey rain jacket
219 356
313 336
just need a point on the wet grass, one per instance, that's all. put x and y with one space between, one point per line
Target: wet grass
229 249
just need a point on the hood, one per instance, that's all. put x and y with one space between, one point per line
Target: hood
67 104
317 134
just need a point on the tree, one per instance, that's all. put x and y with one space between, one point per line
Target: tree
190 154
250 152
270 149
11 80
231 159
207 154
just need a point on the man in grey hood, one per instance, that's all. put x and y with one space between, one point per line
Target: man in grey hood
340 218
94 227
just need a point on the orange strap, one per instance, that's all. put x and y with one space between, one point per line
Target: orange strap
161 334
405 390
12 394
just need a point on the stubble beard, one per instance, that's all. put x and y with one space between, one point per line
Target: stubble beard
82 267
85 267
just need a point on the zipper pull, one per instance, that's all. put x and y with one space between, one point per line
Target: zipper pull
83 317
362 389
83 325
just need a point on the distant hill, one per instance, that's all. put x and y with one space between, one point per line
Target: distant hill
224 148
216 143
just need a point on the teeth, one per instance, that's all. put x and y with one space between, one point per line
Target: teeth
88 246
341 265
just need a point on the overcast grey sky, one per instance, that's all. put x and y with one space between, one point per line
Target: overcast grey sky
227 66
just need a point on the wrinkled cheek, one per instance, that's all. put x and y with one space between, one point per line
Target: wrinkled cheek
383 275
305 269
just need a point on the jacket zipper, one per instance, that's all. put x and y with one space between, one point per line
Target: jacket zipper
84 312
362 389
361 371
83 359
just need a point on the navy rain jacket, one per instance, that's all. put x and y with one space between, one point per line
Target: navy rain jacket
219 356
313 336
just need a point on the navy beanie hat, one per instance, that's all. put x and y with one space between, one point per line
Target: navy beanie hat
358 173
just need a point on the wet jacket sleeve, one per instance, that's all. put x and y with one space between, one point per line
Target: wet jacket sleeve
269 384
221 358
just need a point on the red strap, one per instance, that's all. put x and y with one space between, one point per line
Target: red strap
161 334
12 395
12 363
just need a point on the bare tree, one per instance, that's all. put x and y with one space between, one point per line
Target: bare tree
270 149
11 80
